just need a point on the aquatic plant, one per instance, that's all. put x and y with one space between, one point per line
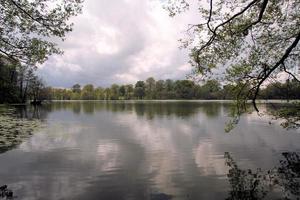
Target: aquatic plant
14 130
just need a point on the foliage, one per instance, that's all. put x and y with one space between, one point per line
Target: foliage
257 184
18 83
8 81
87 92
150 88
139 90
76 88
211 90
165 89
184 89
255 41
288 114
27 25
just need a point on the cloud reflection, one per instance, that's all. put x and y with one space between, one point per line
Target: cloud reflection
138 151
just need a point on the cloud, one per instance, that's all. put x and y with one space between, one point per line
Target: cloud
120 42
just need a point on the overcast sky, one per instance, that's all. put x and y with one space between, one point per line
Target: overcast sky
120 42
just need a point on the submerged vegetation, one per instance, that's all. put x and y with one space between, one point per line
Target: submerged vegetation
13 130
240 48
247 45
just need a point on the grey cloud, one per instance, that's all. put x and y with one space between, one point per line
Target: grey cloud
118 42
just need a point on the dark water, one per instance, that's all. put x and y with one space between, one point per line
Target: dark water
153 151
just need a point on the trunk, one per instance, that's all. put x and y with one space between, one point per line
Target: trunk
21 89
24 96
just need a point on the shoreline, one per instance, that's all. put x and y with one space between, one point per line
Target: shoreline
260 101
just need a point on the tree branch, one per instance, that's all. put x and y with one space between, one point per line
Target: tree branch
9 56
261 13
209 17
30 16
286 71
214 31
268 73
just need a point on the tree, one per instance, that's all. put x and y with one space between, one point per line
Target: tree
185 89
227 91
17 81
129 92
114 89
107 93
210 90
122 91
139 90
160 89
27 80
8 80
254 40
99 93
24 74
27 25
150 88
87 92
165 89
36 86
170 89
76 88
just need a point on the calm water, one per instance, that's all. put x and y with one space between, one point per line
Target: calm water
151 150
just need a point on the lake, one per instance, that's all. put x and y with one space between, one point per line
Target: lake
153 150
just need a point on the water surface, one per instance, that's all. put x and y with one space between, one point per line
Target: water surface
155 150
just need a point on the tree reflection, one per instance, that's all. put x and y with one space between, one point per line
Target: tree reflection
88 108
147 109
31 112
211 109
76 108
289 174
282 182
160 196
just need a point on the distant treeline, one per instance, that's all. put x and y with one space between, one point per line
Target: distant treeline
169 89
19 83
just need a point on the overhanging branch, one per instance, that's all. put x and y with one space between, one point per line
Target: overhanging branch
272 69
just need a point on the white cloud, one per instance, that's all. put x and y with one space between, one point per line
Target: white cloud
126 77
120 42
184 68
107 41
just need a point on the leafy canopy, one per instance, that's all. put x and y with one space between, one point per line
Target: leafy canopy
251 41
27 25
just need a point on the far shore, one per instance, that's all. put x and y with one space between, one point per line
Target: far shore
165 100
185 100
